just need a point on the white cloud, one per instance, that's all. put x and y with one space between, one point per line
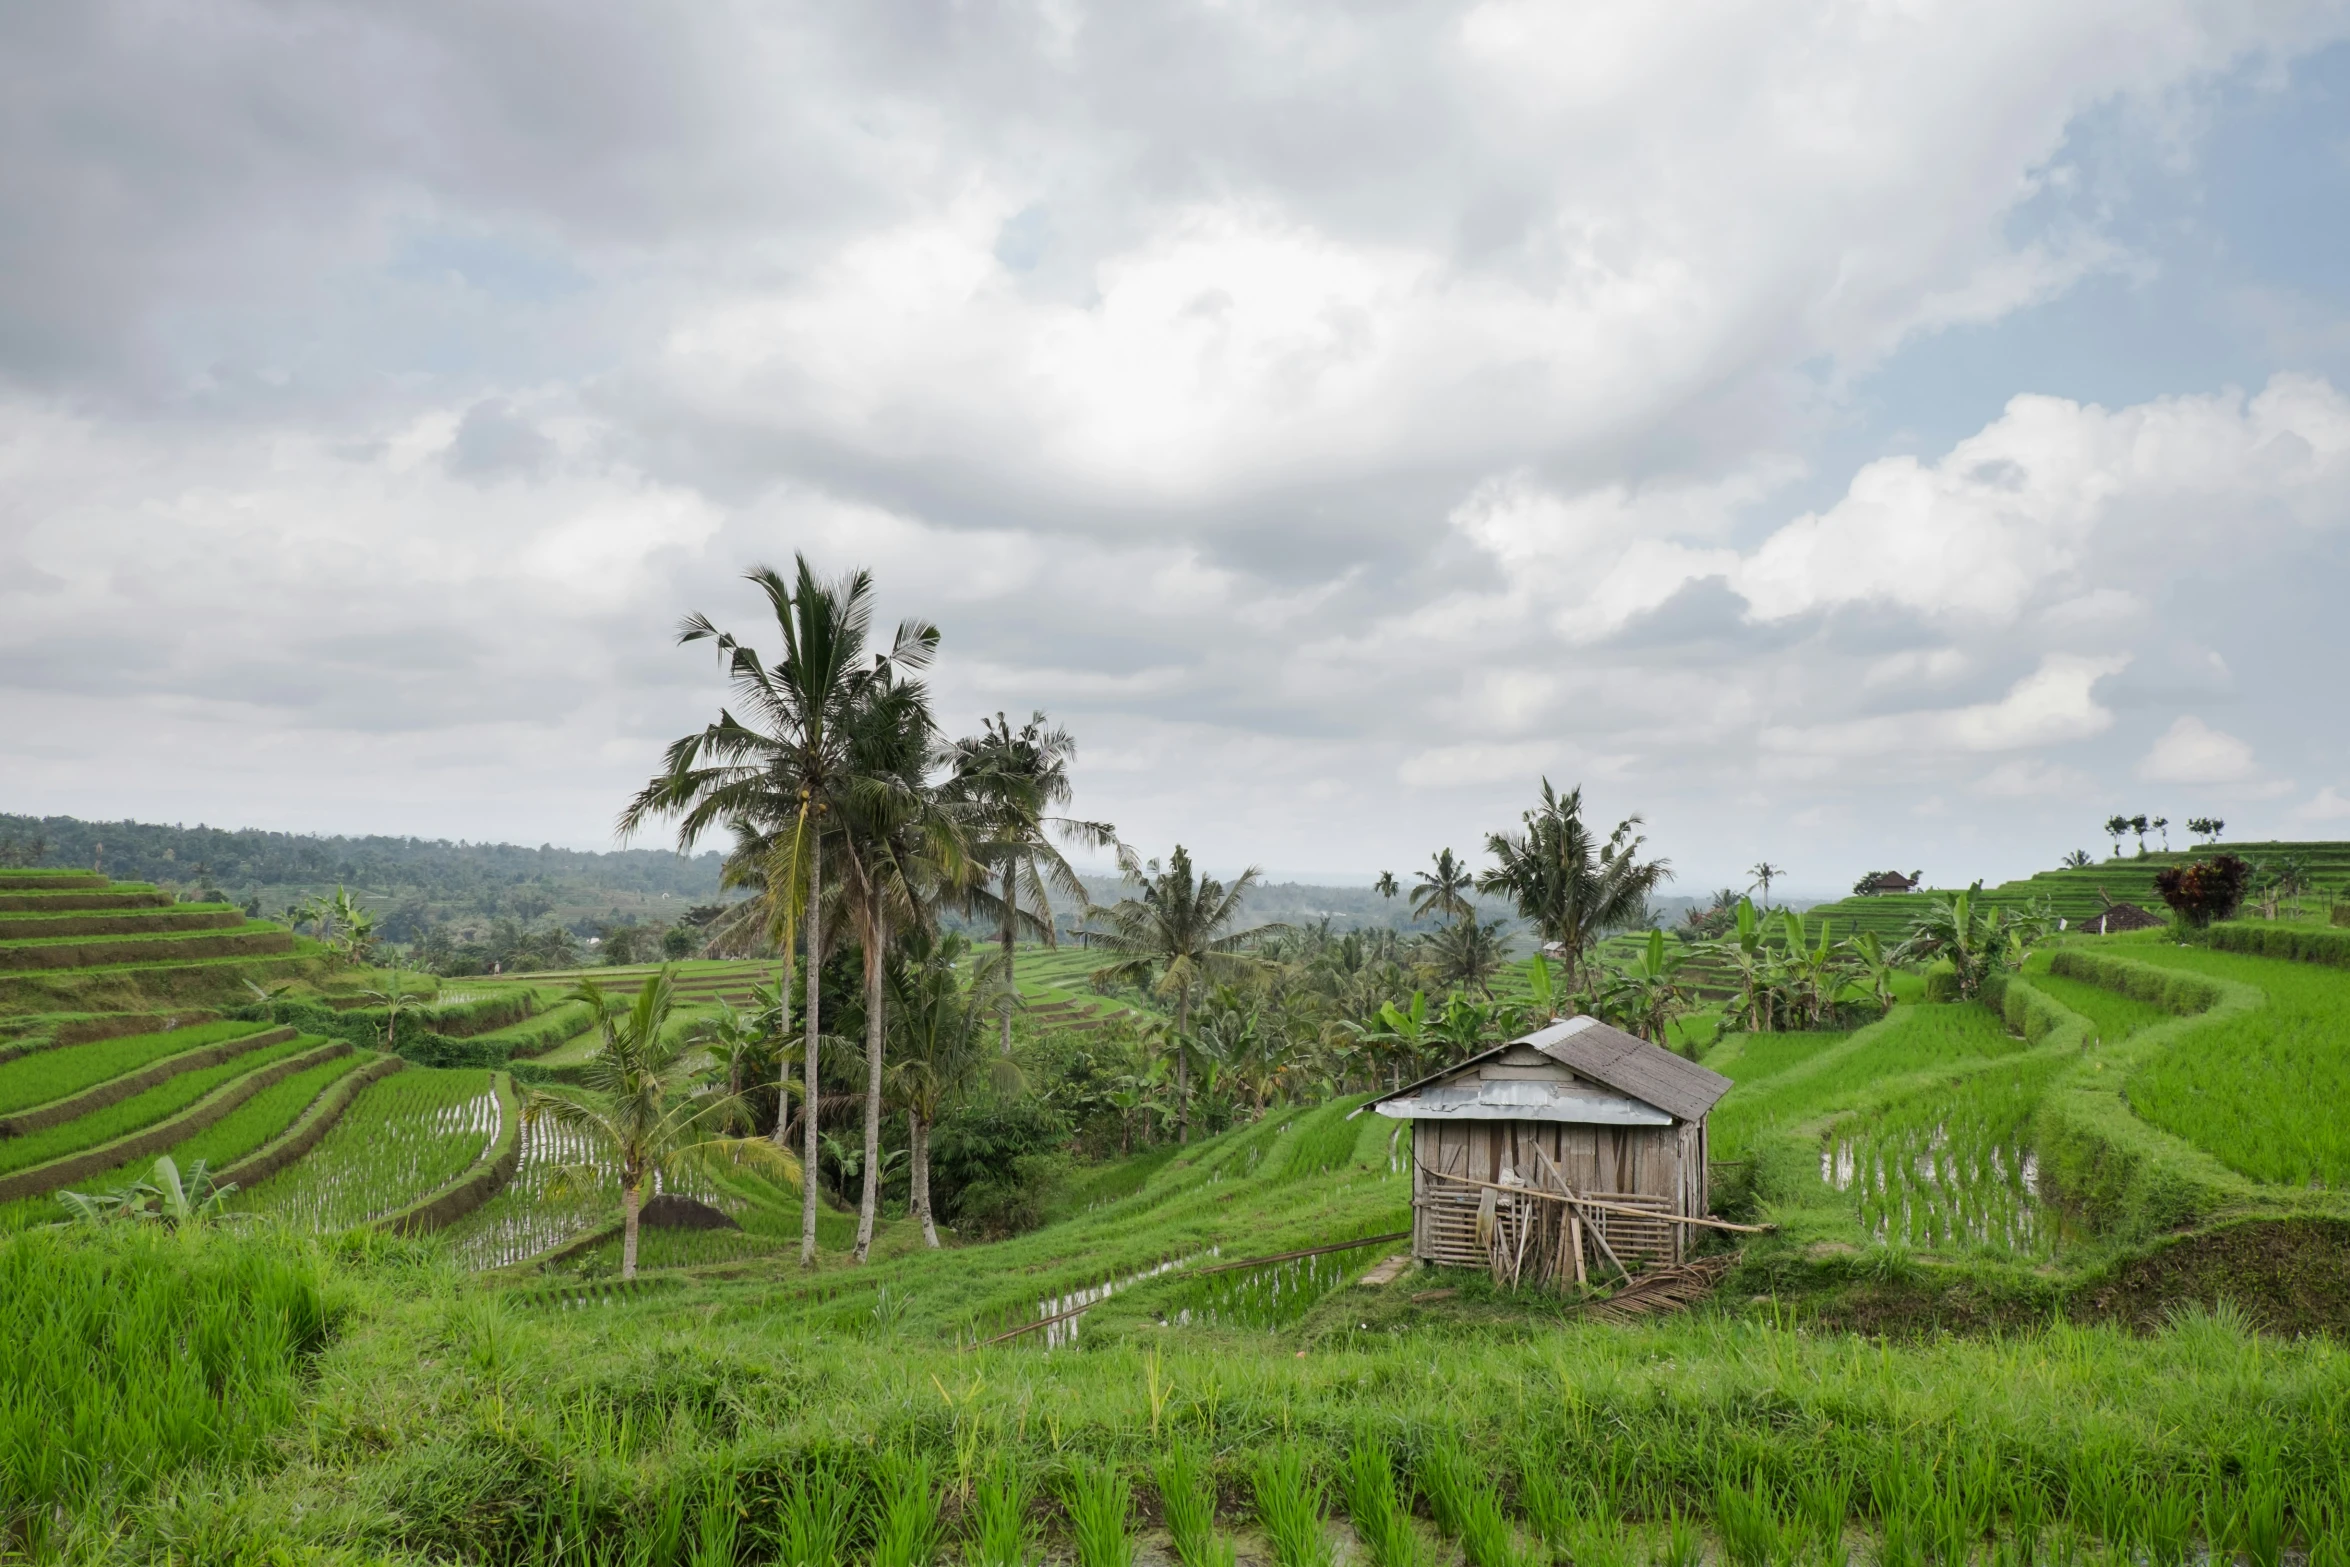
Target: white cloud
2327 805
2193 752
1301 402
2053 704
2029 778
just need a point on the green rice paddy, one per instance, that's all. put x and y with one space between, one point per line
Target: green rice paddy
404 1137
165 1099
55 1073
2268 1091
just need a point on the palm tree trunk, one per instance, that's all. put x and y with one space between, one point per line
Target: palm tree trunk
1011 999
630 1205
783 1055
1182 1067
918 1159
815 924
870 1202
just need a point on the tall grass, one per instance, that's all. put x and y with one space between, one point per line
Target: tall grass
126 1354
2263 1090
1380 1512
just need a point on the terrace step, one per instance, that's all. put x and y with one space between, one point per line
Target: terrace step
16 926
13 881
257 940
151 1140
115 1090
15 902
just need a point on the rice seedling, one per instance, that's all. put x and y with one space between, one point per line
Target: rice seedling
1289 1505
540 1209
2113 1017
1823 1500
1949 1166
244 1130
1748 1521
1553 1504
165 1099
906 1529
1275 1296
406 1135
1381 1515
1001 1533
2260 1090
1098 1500
816 1517
2167 1523
1911 1038
48 1075
1468 1507
1187 1500
1681 1544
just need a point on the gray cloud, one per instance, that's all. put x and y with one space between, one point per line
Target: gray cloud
1343 415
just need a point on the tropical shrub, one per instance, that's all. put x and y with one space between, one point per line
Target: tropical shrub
2202 891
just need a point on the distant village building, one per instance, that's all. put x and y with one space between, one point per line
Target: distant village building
1573 1148
1889 881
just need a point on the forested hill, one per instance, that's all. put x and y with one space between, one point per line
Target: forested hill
398 875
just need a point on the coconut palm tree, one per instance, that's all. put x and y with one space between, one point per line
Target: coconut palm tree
1467 953
1174 938
782 773
938 1045
1764 873
1387 886
1440 889
1570 885
905 850
1014 779
636 1108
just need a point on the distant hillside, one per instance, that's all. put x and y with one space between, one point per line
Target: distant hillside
414 883
2079 895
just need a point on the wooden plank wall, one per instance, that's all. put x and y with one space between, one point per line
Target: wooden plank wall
1643 1165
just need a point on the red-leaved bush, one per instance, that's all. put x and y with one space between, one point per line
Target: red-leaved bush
2204 890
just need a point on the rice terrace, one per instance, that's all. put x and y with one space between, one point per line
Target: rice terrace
1990 1225
1177 783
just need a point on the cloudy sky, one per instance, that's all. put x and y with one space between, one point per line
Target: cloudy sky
1895 433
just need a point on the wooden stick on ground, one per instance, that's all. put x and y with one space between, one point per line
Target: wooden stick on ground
1617 1207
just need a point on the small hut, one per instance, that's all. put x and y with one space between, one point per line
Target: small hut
1574 1147
1884 882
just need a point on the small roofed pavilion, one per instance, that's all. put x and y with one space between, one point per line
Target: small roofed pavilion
1574 1147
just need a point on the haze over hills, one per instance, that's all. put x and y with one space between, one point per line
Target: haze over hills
418 883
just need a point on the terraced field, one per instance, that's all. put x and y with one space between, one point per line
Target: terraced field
405 1138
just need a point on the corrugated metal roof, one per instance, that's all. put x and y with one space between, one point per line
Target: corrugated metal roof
1580 1104
1608 1056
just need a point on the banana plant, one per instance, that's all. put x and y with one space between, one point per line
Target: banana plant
1646 992
1876 965
164 1197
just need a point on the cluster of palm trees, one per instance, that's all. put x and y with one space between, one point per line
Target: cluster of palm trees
852 816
